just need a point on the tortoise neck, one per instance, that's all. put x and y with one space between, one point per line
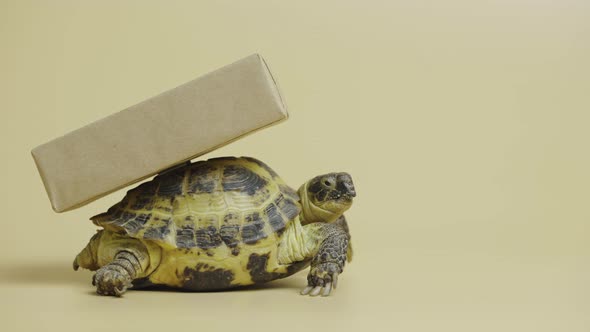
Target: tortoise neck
311 213
295 245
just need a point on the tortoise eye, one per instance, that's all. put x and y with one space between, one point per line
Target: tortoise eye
328 183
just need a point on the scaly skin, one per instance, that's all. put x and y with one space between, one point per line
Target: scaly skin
115 277
329 259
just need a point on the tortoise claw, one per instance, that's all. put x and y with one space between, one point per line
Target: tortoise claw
119 292
316 291
327 289
322 279
306 290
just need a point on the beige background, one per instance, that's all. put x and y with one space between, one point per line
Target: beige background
464 125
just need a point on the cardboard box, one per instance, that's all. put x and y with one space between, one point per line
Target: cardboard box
169 129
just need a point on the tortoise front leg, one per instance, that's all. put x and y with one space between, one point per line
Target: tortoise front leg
329 260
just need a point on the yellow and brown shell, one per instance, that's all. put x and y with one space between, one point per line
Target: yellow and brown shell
229 202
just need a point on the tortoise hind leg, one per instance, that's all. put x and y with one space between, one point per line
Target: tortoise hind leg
115 277
117 260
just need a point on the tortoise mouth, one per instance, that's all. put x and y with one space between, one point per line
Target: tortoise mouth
343 202
345 198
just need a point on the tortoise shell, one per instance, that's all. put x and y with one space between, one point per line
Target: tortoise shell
206 204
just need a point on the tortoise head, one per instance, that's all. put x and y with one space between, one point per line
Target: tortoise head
326 197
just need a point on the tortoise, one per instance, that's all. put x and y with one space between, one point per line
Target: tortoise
218 224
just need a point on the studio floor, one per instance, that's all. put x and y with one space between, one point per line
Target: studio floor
433 291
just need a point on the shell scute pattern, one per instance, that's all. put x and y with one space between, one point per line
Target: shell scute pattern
219 202
253 228
203 178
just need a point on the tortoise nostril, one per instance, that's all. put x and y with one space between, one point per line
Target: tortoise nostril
350 189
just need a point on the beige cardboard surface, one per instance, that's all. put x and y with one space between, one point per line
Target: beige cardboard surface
165 130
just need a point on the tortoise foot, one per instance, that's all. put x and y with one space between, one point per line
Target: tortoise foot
322 279
111 280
